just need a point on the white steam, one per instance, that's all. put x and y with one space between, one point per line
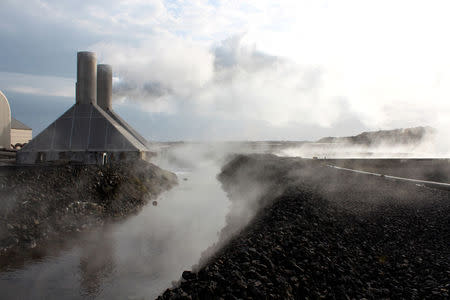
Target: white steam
233 80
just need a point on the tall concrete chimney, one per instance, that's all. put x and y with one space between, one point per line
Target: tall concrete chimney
104 100
86 86
104 87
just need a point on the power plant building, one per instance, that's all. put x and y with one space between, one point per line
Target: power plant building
90 131
12 131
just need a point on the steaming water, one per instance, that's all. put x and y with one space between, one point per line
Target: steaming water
137 259
339 150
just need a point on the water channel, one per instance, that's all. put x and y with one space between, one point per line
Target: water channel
136 259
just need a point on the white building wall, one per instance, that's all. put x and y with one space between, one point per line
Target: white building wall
20 136
5 123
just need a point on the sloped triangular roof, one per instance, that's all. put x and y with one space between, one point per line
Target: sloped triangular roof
84 127
127 126
16 124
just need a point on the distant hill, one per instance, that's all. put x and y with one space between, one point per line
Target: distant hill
401 136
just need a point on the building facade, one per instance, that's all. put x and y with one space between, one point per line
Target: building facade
20 133
89 132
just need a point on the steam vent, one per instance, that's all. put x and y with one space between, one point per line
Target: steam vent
90 131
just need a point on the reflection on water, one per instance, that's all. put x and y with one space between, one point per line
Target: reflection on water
97 263
136 259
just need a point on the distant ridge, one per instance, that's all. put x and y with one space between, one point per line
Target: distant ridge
401 136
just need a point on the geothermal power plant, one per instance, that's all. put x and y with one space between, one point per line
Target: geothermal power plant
89 132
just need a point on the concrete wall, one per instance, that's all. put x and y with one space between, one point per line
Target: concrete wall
85 157
20 136
5 123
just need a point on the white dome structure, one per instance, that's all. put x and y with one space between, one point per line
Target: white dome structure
5 123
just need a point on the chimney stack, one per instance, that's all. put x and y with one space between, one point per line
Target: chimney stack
104 86
86 86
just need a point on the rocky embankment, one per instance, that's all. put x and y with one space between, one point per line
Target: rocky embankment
323 233
42 203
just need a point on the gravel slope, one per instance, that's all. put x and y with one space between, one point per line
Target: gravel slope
323 233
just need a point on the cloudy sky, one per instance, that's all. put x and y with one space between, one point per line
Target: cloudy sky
235 70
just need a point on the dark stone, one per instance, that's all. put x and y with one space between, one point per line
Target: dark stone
188 275
324 233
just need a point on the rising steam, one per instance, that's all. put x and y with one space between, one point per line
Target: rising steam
269 97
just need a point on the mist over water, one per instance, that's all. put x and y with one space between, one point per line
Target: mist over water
140 257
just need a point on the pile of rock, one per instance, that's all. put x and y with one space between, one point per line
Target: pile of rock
39 203
324 233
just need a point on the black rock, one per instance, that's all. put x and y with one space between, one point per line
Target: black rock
188 275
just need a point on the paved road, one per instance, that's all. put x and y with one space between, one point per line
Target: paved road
433 184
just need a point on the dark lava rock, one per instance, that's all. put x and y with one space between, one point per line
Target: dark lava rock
188 275
48 202
318 232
